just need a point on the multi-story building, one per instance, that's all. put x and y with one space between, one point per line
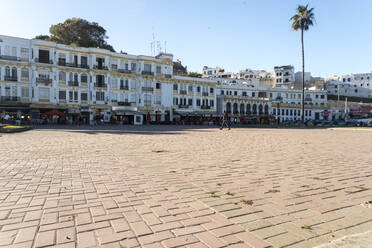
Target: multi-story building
270 103
284 75
89 83
358 79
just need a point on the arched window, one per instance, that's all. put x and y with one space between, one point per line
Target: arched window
248 109
254 109
7 71
228 107
235 108
260 109
14 72
266 109
76 77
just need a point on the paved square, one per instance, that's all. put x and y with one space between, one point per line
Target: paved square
165 186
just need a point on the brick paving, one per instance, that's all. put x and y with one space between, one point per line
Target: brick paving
173 187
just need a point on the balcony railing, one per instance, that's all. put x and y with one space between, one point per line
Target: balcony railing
167 75
183 106
279 98
10 78
124 103
124 87
12 58
44 61
148 73
183 92
73 83
100 67
124 71
10 99
62 63
205 107
43 80
100 85
148 89
205 94
308 99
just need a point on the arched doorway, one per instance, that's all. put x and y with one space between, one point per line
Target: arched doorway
242 109
266 109
254 109
235 108
260 109
228 107
248 109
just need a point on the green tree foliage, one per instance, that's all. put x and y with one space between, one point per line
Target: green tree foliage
194 74
79 32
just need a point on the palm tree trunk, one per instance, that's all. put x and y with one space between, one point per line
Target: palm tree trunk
303 78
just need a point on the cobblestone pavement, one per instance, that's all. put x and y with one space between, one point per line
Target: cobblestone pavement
173 187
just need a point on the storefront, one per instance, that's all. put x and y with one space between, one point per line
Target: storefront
39 114
127 115
15 114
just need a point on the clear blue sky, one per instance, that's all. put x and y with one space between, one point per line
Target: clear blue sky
234 34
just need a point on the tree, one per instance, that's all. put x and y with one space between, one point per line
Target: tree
79 32
194 74
302 20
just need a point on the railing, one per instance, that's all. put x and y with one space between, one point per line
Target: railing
205 94
147 102
43 80
10 78
100 67
10 99
73 83
308 99
124 71
167 75
183 92
12 58
44 61
124 87
158 102
100 85
279 98
148 73
62 63
124 103
148 89
183 106
205 107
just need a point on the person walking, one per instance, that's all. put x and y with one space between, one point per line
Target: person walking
225 120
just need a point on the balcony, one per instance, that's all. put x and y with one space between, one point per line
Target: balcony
124 71
10 99
125 103
74 65
100 67
205 94
147 89
73 83
147 102
150 73
43 80
43 61
308 99
167 75
12 58
100 85
183 106
124 87
205 107
279 98
10 78
183 92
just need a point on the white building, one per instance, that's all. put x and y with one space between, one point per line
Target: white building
358 79
298 76
284 75
89 83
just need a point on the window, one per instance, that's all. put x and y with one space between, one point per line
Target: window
158 85
24 92
190 88
62 76
198 90
158 70
133 66
84 78
24 53
211 90
84 96
100 96
24 73
253 94
190 102
222 92
62 95
321 96
44 93
211 103
197 102
84 61
175 86
147 67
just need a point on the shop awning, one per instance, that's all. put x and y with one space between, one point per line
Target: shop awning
121 112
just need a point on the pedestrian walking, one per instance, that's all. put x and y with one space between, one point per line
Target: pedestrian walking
225 120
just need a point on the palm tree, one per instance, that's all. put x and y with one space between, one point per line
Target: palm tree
302 20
